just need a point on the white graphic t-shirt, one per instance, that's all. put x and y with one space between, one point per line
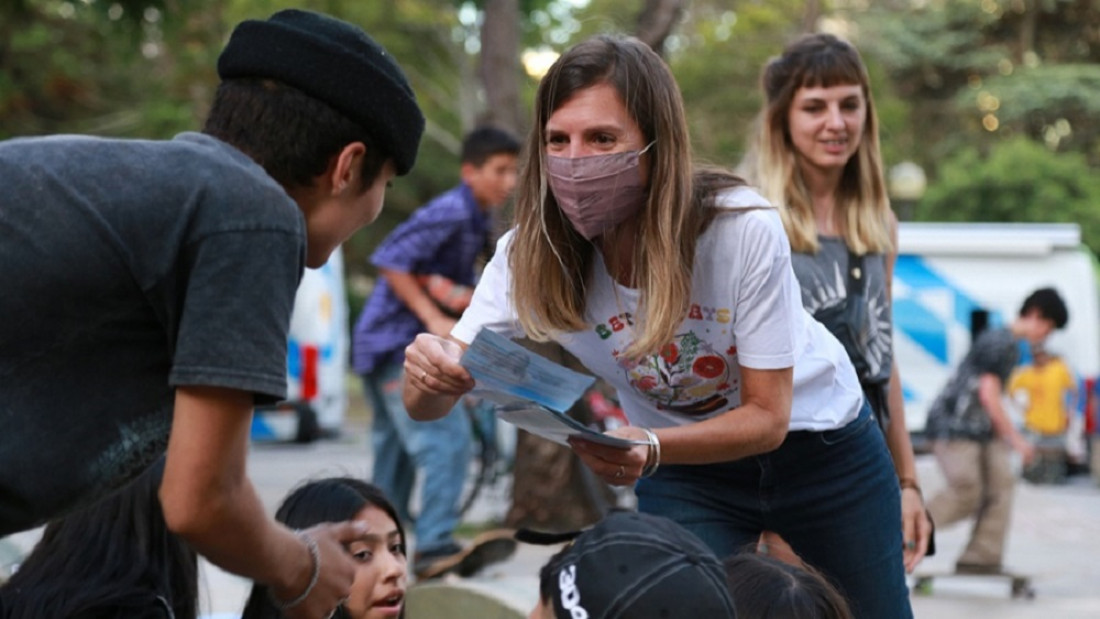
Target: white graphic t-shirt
746 310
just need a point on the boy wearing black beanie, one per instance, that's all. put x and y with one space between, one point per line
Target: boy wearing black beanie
148 287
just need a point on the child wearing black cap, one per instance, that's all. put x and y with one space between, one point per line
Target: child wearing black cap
633 566
148 287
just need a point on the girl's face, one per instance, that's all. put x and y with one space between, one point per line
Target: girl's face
379 588
826 125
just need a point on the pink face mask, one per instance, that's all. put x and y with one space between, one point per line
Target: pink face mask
599 192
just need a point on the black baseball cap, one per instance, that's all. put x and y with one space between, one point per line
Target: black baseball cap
633 566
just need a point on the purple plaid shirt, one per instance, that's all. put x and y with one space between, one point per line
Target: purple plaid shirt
443 237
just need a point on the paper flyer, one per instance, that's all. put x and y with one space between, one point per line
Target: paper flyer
499 364
530 391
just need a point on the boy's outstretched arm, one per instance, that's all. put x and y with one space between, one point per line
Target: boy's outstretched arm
208 500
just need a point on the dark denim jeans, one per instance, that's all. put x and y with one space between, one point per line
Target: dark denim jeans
832 495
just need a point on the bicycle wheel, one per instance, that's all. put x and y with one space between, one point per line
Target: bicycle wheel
485 457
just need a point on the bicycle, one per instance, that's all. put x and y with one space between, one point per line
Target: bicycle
490 462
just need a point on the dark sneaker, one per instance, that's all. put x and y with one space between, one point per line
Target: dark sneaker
980 569
436 562
486 549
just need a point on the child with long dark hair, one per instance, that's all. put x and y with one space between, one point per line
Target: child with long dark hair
764 587
378 590
113 559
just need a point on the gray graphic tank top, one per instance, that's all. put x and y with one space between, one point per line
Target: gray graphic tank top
823 278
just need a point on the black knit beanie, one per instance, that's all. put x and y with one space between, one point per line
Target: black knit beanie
334 62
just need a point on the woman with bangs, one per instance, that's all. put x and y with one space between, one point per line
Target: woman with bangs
674 284
815 155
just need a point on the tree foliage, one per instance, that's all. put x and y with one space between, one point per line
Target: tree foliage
1017 180
950 77
80 67
1056 104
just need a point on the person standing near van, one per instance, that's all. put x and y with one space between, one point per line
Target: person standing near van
973 437
440 243
816 156
147 288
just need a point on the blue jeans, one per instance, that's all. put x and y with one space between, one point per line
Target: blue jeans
833 496
439 449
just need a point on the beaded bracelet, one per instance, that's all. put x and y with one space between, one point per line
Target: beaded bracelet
653 458
909 482
315 575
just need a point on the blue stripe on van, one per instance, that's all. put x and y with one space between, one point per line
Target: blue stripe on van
922 327
907 394
916 274
918 322
260 430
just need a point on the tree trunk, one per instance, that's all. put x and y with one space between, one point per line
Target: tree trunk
1026 45
811 13
656 22
499 65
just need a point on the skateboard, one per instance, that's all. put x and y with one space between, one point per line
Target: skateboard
1021 584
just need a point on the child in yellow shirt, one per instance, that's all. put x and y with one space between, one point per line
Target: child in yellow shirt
1046 382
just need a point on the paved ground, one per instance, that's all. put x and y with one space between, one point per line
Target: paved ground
1055 537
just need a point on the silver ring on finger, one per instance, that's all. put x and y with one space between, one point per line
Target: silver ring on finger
619 473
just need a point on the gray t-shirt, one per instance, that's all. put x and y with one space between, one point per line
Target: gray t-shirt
823 278
129 268
957 412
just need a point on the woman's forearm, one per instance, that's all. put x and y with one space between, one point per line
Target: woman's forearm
757 426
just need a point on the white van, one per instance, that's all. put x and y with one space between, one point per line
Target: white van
317 361
951 278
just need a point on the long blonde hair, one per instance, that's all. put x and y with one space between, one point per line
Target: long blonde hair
550 261
863 207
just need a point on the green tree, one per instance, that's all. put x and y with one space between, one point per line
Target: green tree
977 71
1056 104
80 67
1017 180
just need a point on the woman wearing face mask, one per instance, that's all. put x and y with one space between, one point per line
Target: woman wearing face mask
675 286
815 155
378 591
